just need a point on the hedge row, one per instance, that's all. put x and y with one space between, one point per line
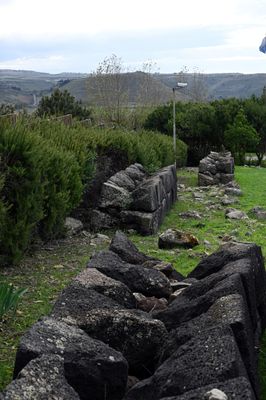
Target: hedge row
44 167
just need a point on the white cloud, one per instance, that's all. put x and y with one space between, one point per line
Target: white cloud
50 63
35 18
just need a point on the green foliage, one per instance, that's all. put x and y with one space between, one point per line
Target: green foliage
241 137
46 166
6 109
61 103
9 298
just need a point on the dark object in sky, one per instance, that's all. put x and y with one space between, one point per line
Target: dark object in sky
263 45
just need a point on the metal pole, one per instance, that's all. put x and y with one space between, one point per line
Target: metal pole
174 126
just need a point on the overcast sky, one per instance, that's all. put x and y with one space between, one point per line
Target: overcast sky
75 35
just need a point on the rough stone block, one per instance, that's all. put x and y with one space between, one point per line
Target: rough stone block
91 367
126 249
102 220
113 195
148 195
198 298
41 379
139 279
123 180
143 222
230 310
93 279
210 357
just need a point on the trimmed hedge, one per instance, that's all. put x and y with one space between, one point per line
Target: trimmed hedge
45 167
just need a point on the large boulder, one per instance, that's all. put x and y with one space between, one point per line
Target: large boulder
143 280
237 388
92 368
41 379
92 279
210 357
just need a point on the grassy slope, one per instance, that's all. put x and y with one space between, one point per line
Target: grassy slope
49 270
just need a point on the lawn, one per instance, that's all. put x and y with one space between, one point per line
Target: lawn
48 269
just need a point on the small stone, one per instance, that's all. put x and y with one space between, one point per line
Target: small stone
232 213
73 226
190 214
172 238
215 394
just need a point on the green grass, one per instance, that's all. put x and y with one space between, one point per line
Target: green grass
50 269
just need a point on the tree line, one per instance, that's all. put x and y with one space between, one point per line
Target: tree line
237 124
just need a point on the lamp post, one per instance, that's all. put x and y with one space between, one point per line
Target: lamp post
179 85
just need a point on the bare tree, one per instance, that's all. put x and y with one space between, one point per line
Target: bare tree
107 88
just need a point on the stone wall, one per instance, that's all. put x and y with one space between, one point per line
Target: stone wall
130 327
131 198
216 168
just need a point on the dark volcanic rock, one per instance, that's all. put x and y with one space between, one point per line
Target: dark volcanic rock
126 249
136 172
210 357
42 379
91 367
76 302
230 310
253 272
148 195
93 279
237 388
198 298
143 280
133 332
146 223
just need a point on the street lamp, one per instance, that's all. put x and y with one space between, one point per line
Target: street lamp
179 85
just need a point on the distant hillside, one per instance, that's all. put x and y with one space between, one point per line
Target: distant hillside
25 88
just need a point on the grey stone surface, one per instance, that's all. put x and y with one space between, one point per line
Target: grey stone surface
210 357
126 249
139 279
237 389
102 220
143 222
149 195
91 367
93 279
73 226
115 196
233 213
122 179
136 172
230 310
198 298
216 168
41 379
